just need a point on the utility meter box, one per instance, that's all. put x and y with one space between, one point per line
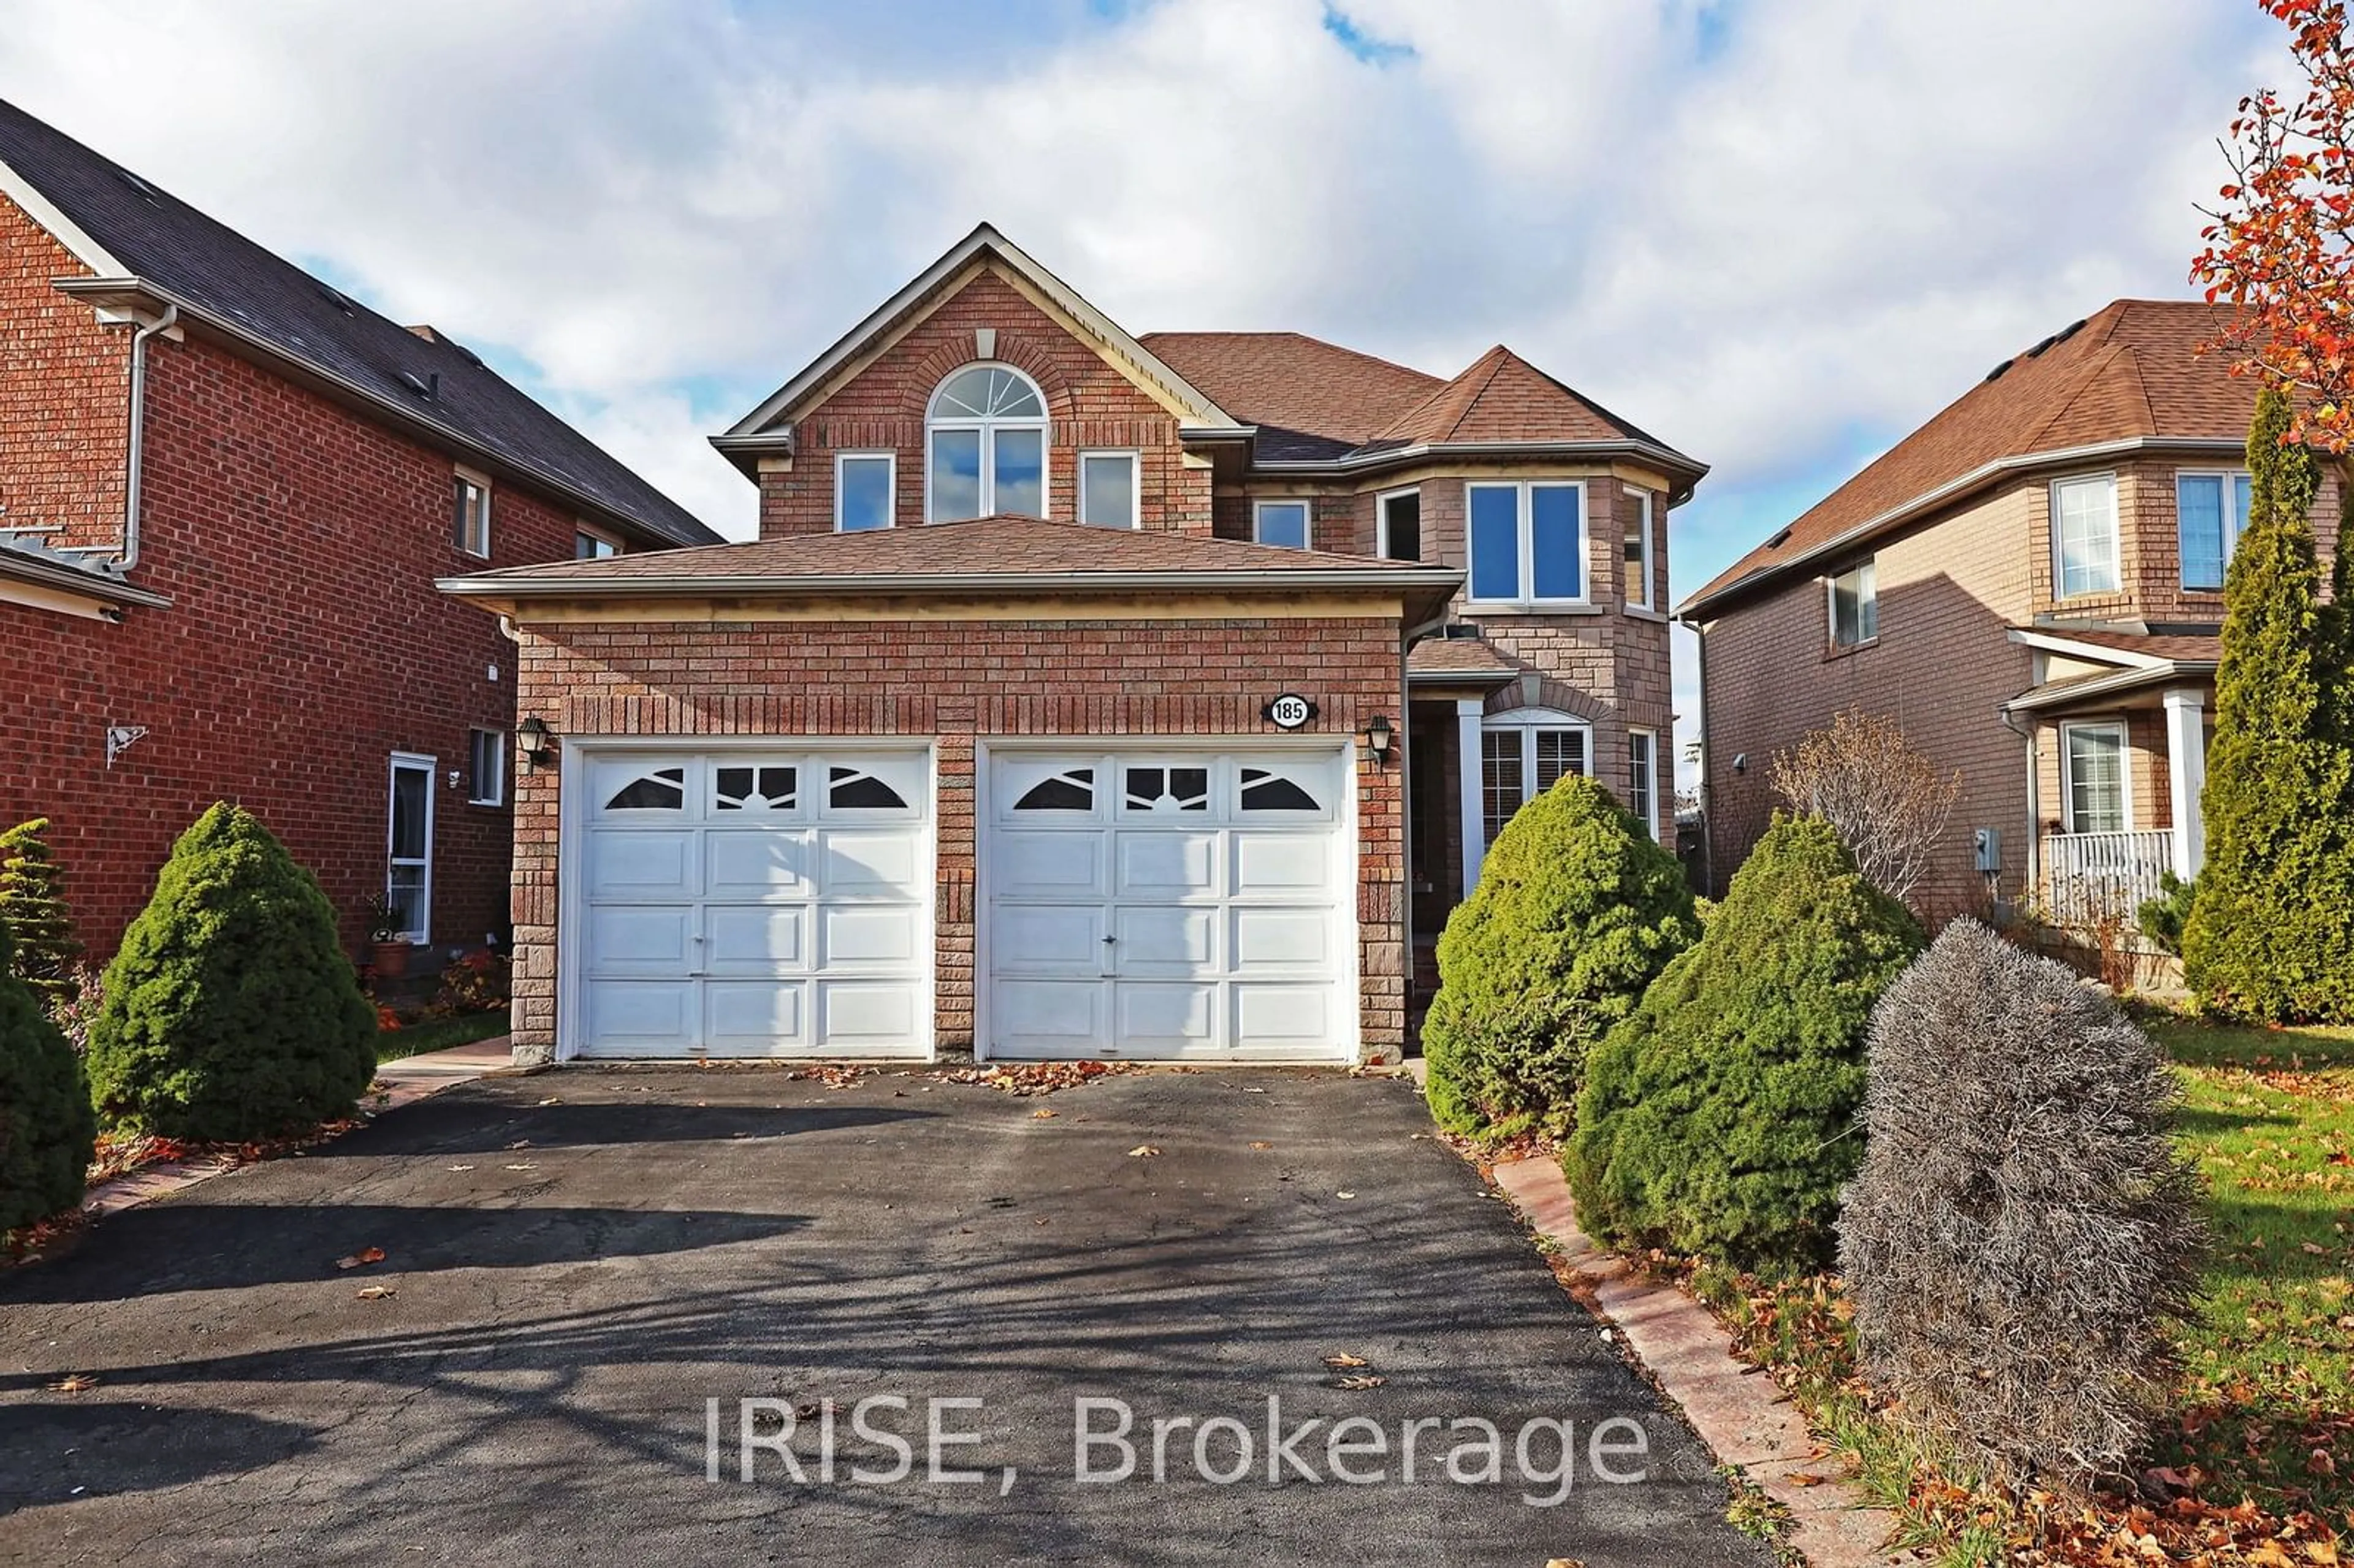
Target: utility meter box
1986 844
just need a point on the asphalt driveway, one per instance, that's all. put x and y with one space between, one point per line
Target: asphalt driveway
574 1283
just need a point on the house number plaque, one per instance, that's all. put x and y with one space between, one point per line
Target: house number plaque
1289 711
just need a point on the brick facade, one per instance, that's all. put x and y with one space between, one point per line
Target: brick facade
304 642
960 680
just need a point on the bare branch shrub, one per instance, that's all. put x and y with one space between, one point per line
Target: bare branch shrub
1884 799
2022 1234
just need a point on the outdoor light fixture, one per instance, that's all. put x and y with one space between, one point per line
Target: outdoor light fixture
531 739
1378 734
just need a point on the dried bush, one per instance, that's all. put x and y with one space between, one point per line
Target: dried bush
1886 800
2022 1234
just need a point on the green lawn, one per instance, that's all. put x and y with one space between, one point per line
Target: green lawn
2269 1115
439 1033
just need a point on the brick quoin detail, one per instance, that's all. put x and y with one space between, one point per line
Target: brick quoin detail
961 681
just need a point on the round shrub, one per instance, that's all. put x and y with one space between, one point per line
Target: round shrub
1577 909
1719 1119
2023 1231
231 1012
46 1130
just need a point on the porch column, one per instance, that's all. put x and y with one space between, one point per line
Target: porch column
1467 713
2186 771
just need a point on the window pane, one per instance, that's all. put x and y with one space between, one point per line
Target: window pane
2088 536
2199 520
588 547
1638 550
1639 781
1867 601
1495 542
1283 523
1402 526
1020 458
409 804
1560 752
865 500
966 394
1108 492
2097 785
405 891
956 475
1553 539
1502 786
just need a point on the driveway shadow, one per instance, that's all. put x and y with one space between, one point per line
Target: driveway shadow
458 1123
160 1248
107 1447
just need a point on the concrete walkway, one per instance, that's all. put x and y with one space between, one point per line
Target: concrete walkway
1738 1412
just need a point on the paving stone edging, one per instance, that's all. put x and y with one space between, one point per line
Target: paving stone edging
1737 1412
401 1081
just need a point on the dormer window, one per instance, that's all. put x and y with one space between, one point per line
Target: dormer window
985 439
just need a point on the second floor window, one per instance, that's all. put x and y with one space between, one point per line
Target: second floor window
1855 605
2211 514
470 513
590 546
1281 522
1401 527
1528 543
2084 535
986 445
1107 489
862 487
1638 548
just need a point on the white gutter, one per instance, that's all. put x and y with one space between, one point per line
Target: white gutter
1394 457
1954 489
135 446
668 585
2039 698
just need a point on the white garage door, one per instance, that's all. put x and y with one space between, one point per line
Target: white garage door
744 903
1173 906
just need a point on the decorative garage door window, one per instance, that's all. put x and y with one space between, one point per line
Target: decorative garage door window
744 902
1185 906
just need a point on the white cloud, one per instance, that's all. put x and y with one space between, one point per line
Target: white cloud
1797 230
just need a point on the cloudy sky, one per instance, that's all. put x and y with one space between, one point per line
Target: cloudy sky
1778 233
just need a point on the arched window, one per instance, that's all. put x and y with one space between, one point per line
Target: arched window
985 436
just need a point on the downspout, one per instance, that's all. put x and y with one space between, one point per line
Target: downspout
1707 755
2034 807
138 429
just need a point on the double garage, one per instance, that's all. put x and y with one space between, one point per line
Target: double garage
748 898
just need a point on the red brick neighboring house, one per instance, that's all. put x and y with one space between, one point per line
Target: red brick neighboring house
2031 584
225 490
1085 696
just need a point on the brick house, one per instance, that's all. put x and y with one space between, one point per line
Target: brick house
226 491
1085 695
2031 585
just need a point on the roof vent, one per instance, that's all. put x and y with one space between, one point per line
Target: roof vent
416 384
1778 540
1460 632
2037 351
2071 330
136 183
1996 373
337 297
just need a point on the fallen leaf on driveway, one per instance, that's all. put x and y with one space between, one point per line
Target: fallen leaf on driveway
1565 1562
376 1292
1345 1360
1142 1151
1041 1113
74 1383
1344 1194
551 1102
361 1258
1803 1478
520 1143
523 1167
461 1167
1361 1381
1256 1143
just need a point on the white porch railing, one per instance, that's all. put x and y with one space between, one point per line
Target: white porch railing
2089 876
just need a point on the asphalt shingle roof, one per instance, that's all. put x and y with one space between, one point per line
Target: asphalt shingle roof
166 242
1298 384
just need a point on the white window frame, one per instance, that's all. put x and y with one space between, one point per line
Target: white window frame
1642 499
2116 538
2230 479
1867 567
890 459
499 742
1524 595
1135 460
1650 813
2124 732
988 427
1382 499
1306 522
1527 722
409 761
481 482
590 531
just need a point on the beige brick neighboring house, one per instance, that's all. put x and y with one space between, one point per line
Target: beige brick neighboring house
2074 705
1176 732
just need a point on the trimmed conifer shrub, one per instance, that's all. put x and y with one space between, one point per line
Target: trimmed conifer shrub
1719 1119
46 1130
2024 1235
32 907
231 1012
1575 910
2270 936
